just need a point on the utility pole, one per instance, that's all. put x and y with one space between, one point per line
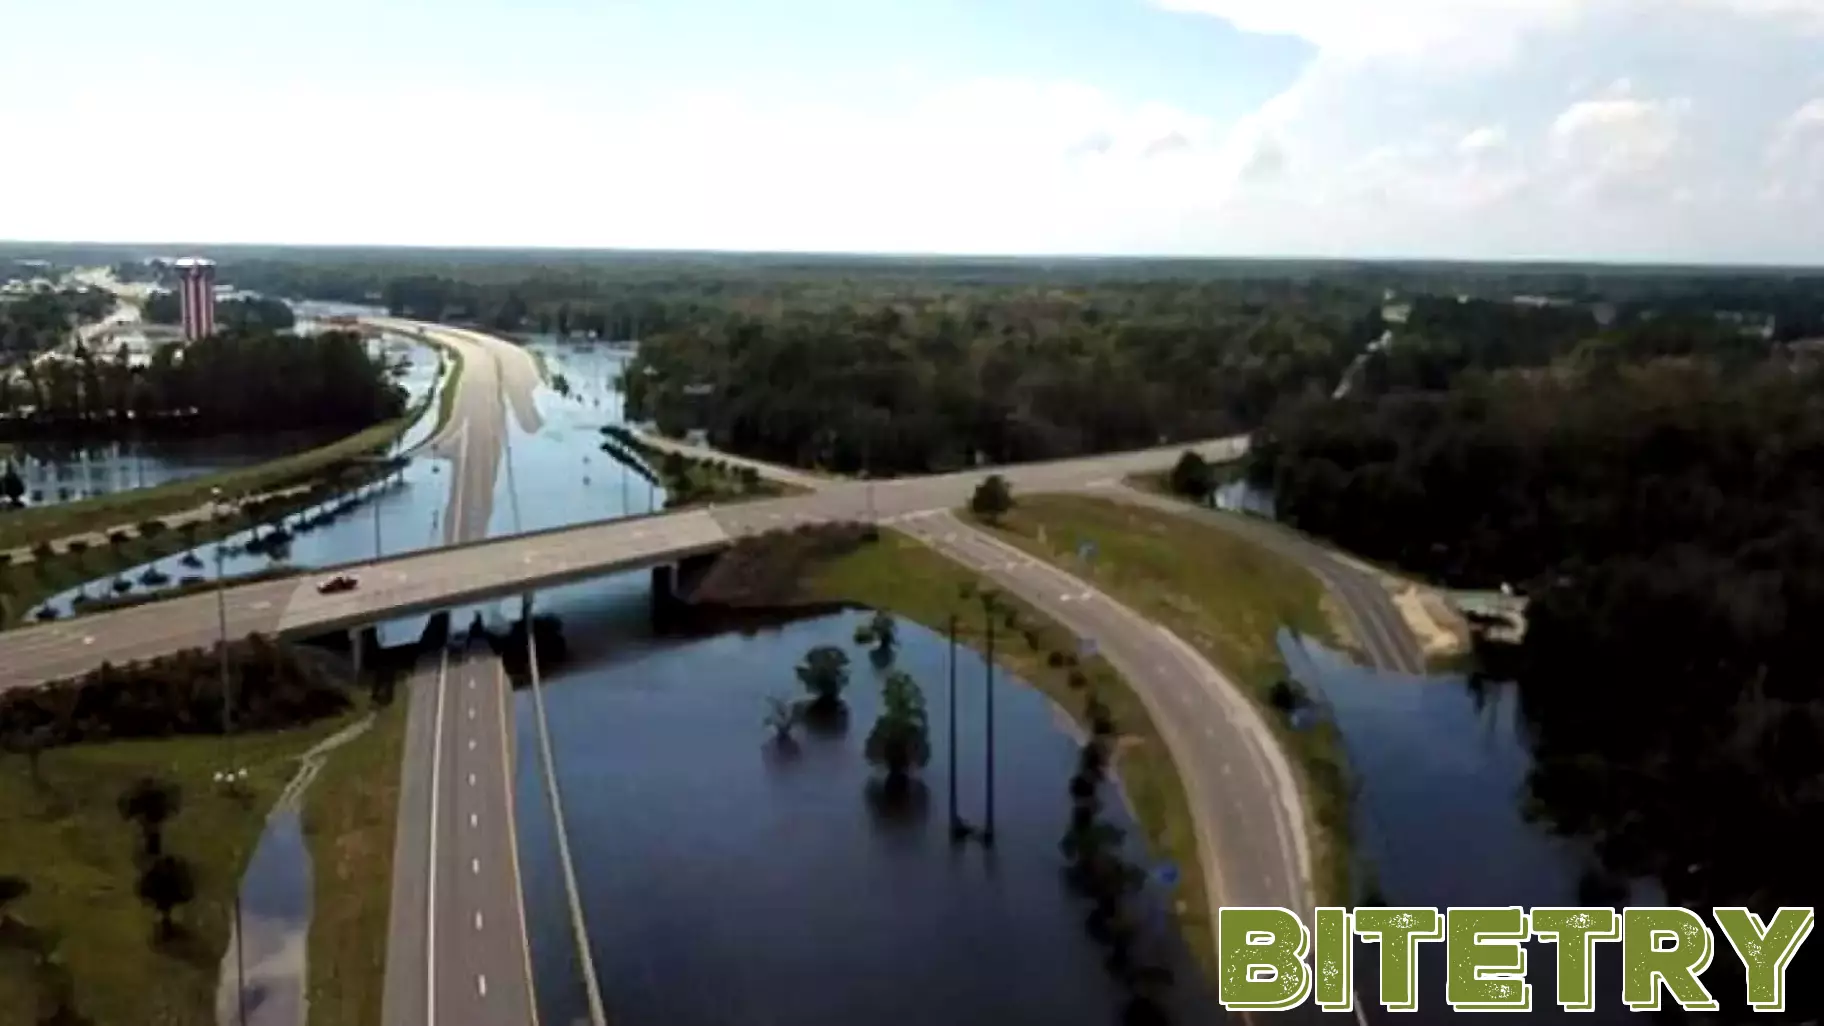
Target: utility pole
988 824
955 825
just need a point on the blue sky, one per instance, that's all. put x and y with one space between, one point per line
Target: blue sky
1605 129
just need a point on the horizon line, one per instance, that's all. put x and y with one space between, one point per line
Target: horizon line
936 255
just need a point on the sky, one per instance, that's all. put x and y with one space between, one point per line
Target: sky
1688 131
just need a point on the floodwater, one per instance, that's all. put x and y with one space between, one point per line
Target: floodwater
725 881
56 472
1442 772
566 479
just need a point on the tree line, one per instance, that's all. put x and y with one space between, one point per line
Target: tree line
276 685
241 313
1665 519
930 384
39 321
234 381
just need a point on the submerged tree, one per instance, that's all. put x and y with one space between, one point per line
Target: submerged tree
882 632
900 741
825 673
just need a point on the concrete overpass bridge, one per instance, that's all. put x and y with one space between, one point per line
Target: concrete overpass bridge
480 571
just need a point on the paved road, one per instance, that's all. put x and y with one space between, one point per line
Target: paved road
457 945
1386 642
456 576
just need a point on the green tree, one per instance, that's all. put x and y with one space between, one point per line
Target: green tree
900 741
882 632
148 804
1192 477
825 673
12 888
12 487
993 498
167 884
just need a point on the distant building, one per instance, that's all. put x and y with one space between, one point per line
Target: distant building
196 296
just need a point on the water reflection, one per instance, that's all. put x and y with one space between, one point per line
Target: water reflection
725 879
1442 768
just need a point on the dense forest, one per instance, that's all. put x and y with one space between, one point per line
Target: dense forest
33 323
238 381
1666 520
924 385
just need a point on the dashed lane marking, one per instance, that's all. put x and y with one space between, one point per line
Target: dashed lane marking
474 820
481 985
475 867
478 920
471 780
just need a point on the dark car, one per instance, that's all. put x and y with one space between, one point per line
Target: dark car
337 584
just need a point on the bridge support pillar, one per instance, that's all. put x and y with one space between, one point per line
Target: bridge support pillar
357 642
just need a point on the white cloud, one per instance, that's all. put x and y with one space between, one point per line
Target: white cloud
1483 140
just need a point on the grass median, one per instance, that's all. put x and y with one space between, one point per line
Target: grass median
901 576
66 839
349 818
1226 597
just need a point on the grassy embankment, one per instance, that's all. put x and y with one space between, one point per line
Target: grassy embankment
24 585
64 836
1225 597
349 817
901 576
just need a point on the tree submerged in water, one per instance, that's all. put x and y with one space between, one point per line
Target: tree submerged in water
825 673
882 632
900 741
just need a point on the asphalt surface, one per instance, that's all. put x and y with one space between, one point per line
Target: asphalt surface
427 581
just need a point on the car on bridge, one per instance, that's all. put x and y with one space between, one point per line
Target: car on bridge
338 584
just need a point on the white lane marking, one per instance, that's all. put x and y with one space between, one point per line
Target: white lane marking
473 819
1226 770
261 605
471 685
471 712
475 867
471 780
478 920
481 984
471 744
88 639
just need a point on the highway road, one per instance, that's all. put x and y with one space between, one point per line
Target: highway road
425 581
457 950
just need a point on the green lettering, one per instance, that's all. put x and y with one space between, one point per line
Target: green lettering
1487 963
1398 931
1335 959
1665 945
1575 931
1766 949
1262 952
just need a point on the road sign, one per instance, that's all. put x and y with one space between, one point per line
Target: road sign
1167 874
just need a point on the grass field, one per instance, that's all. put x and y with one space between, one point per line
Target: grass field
349 815
904 577
1224 596
66 838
